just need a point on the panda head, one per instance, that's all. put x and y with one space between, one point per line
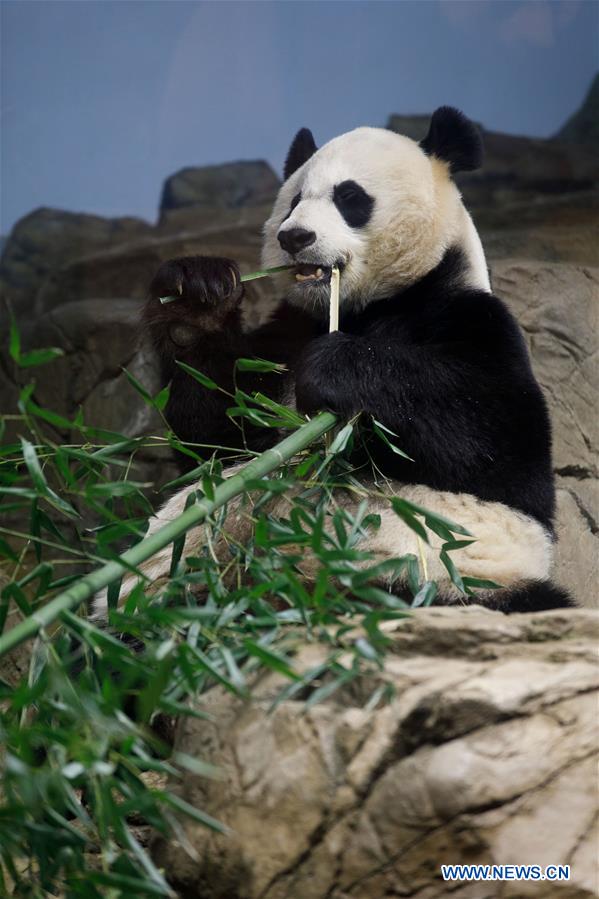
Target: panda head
380 206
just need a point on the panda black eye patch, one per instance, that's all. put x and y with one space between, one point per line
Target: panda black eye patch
354 204
294 203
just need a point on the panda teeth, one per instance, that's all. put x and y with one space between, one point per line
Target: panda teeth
316 276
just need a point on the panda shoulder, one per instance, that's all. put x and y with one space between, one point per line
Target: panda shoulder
477 315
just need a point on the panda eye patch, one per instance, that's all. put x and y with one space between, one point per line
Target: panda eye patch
294 203
354 204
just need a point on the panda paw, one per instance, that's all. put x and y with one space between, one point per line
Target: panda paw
321 377
201 286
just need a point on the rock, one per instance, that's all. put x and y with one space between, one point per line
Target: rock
583 126
216 187
99 338
577 551
46 239
557 306
127 271
484 756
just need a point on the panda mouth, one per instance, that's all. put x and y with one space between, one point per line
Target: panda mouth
315 274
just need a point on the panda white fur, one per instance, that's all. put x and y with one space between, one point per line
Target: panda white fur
423 346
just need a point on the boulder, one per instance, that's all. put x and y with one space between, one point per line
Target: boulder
485 755
557 306
583 126
46 239
100 338
216 187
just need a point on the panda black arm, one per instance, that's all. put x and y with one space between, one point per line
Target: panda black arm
452 379
202 328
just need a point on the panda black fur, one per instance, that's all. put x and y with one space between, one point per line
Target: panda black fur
423 346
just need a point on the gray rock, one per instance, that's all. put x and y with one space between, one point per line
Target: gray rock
228 186
557 306
46 239
485 756
126 271
583 126
577 555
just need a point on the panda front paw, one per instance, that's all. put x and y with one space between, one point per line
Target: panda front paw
322 379
203 287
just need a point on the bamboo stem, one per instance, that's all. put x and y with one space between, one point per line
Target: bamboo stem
96 580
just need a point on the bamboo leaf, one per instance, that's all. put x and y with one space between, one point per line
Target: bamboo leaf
262 365
204 380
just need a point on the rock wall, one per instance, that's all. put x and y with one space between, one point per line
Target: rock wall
557 306
487 755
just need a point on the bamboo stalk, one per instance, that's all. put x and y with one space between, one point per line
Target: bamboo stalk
334 301
96 580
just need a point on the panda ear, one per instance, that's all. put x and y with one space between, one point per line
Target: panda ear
300 151
455 139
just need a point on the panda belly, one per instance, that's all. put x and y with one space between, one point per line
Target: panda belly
509 548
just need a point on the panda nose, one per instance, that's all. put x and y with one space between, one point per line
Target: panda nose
295 239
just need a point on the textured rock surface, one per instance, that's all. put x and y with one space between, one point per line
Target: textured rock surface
46 239
583 126
229 186
486 755
557 306
126 271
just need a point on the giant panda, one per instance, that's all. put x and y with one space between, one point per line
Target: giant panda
423 346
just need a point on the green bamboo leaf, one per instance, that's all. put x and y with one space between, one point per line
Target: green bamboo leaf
162 398
258 365
425 595
7 551
196 766
452 545
404 510
290 416
52 418
379 429
33 466
39 481
481 583
139 387
272 659
235 674
204 380
366 650
211 668
195 813
341 440
452 570
114 488
130 886
14 346
327 689
39 357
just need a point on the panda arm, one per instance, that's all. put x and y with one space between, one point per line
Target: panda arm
202 329
454 385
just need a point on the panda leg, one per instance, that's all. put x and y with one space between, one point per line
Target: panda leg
529 596
534 596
